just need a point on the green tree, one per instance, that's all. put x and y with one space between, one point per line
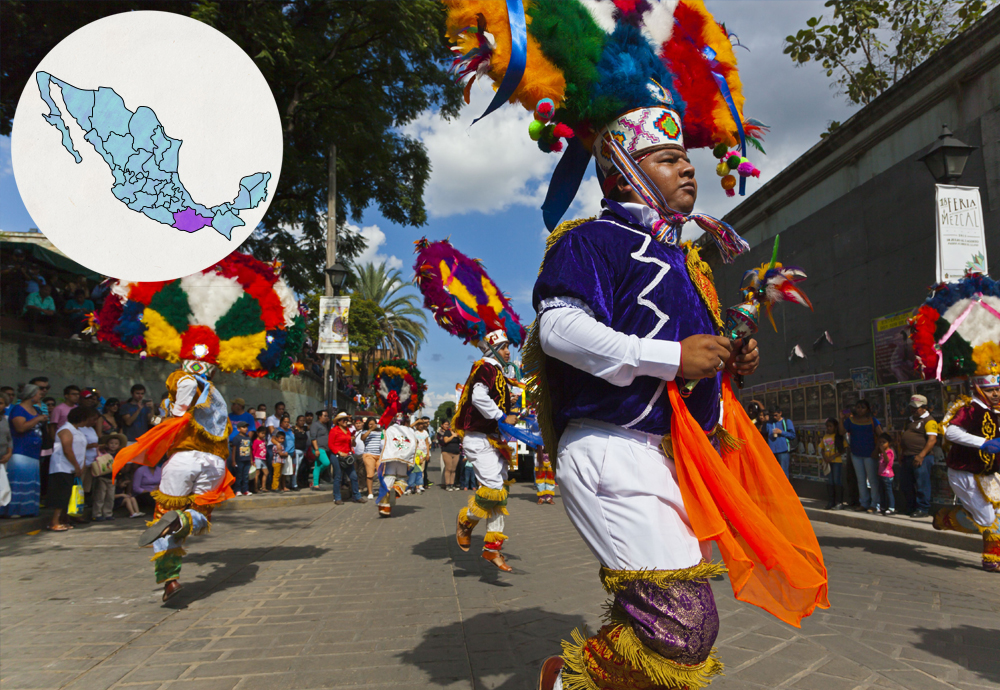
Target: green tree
365 334
348 73
871 44
445 412
402 320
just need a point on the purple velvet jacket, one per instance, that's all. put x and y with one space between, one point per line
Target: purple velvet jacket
637 286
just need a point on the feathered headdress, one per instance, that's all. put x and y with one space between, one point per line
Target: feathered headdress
464 300
398 388
956 332
601 73
238 315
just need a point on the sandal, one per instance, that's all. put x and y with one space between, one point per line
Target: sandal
60 528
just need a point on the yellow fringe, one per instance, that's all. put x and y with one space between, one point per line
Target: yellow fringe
661 670
617 580
494 536
574 673
170 502
491 494
463 516
169 552
727 442
474 512
991 558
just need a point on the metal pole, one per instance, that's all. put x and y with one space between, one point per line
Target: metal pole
331 258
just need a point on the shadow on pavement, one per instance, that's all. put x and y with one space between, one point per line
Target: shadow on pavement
908 551
977 650
233 568
469 564
494 645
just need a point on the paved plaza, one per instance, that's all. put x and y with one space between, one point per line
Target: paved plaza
324 596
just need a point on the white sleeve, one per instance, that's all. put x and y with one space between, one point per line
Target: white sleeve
482 401
187 391
577 338
957 434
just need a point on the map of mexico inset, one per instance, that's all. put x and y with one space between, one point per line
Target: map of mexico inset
147 146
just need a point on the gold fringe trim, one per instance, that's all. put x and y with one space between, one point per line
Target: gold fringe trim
994 480
955 408
494 536
169 552
727 442
463 516
474 512
704 283
574 673
661 670
170 502
489 494
991 558
617 580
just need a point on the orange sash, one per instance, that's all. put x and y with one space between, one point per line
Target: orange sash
745 504
150 448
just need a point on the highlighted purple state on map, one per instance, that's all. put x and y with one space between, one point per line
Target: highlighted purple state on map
189 220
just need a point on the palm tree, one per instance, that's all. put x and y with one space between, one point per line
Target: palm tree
402 320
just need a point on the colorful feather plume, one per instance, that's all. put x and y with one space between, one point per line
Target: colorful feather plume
772 283
238 315
463 298
398 386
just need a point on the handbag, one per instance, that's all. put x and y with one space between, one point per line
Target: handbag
346 462
102 465
76 499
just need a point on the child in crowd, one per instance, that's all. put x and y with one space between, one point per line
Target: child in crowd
277 455
288 467
123 492
832 449
260 460
241 458
102 487
886 500
415 482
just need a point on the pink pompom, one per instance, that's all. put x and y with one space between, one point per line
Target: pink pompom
755 173
730 192
745 169
557 145
563 131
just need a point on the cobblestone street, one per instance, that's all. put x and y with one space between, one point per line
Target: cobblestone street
325 596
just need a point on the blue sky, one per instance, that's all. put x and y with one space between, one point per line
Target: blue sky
488 180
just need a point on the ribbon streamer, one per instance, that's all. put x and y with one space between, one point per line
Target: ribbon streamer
728 97
518 57
729 242
565 183
521 435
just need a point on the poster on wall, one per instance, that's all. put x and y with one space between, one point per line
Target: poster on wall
828 401
863 378
876 398
898 400
785 401
935 396
771 400
961 237
333 316
843 389
798 405
953 390
813 410
894 358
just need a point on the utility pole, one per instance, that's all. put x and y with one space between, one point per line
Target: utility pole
331 258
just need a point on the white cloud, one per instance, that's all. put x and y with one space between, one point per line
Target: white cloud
485 167
374 240
432 400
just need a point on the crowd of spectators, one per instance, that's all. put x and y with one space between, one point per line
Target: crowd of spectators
49 302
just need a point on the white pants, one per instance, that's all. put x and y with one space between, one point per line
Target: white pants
490 468
192 472
620 491
394 469
967 490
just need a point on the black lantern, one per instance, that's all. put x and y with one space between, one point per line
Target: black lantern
946 157
338 276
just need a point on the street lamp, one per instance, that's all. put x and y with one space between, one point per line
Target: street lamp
947 156
338 276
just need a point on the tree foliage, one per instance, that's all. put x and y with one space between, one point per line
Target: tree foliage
365 334
445 411
348 73
869 45
402 318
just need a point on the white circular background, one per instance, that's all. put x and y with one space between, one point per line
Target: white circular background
204 90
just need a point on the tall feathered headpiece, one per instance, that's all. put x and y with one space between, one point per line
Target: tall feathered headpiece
602 75
464 300
398 388
238 315
956 332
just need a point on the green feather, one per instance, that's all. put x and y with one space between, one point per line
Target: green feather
756 144
171 303
243 318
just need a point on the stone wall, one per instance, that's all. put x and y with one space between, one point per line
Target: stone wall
113 372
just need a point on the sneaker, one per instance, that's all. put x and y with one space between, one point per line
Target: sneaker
75 336
370 497
408 492
889 511
137 515
919 514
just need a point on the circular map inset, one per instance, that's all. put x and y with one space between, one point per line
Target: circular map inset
146 146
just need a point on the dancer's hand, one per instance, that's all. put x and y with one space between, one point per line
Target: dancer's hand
744 359
511 419
703 356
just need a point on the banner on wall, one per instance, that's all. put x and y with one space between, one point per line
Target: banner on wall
333 316
961 237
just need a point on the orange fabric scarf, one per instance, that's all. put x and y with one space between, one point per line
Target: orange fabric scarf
744 503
